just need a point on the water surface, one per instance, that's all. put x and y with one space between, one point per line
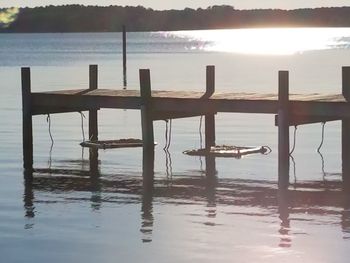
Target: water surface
70 212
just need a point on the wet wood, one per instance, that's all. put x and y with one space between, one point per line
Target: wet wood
346 130
147 125
93 119
283 129
210 164
195 102
27 128
295 120
124 56
166 115
210 118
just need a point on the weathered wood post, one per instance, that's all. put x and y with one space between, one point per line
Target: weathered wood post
93 121
124 57
210 117
147 126
346 130
283 129
27 123
210 122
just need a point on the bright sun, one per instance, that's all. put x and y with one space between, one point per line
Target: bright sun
267 41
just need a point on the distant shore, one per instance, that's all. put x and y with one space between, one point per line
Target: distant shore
79 18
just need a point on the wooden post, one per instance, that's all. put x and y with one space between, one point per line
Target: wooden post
210 118
346 130
124 57
93 122
27 128
147 126
210 164
283 129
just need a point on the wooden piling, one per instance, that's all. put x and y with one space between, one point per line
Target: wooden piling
210 117
147 126
124 57
210 164
283 129
346 130
27 128
93 120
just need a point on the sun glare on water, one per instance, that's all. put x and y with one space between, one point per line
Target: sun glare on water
268 41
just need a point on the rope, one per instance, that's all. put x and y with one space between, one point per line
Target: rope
82 125
295 139
268 150
170 128
294 169
166 135
200 132
322 138
48 120
168 161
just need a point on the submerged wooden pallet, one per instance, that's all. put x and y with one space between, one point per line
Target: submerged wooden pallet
228 151
112 144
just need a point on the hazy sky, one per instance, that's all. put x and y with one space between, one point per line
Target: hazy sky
180 4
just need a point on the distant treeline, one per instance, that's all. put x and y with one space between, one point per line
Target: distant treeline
78 18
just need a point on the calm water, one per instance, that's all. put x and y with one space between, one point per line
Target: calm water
69 214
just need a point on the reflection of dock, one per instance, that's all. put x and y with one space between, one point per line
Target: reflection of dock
158 105
308 199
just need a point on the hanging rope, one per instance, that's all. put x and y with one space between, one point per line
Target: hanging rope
170 128
294 169
322 138
168 161
200 132
166 134
294 140
82 125
48 120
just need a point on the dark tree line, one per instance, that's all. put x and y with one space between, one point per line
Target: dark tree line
78 18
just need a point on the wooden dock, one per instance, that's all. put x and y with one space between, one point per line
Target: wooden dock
290 110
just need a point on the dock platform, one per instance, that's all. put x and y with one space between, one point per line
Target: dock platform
289 109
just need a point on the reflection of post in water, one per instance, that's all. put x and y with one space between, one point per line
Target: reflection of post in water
95 182
147 212
211 183
345 215
283 210
28 197
93 160
210 167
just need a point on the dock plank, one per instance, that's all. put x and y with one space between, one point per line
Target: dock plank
314 104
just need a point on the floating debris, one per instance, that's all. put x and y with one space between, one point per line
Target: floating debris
228 151
110 144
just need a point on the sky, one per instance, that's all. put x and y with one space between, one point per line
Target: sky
180 4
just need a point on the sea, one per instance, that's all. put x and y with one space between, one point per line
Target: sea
70 213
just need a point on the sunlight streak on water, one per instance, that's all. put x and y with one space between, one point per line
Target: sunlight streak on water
267 41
